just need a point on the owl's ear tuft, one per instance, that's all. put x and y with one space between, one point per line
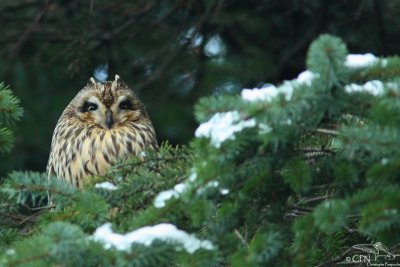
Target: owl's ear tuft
119 81
91 81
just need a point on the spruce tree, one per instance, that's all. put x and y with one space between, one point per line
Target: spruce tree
300 174
10 113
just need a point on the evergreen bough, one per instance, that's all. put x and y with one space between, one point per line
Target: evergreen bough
305 177
10 112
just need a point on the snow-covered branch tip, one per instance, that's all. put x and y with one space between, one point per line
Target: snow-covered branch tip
106 186
223 126
363 60
146 235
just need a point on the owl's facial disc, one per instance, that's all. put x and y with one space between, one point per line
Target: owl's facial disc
125 110
111 116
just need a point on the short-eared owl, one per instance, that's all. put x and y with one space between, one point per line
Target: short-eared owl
105 122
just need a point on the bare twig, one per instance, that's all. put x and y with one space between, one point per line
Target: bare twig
318 198
18 5
131 20
39 208
29 30
32 217
240 237
292 214
18 218
326 131
163 67
313 155
316 149
306 208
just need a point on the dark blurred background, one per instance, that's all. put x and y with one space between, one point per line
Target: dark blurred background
172 52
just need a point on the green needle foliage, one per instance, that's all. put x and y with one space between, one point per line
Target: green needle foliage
10 112
314 174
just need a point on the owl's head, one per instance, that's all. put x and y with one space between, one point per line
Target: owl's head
107 105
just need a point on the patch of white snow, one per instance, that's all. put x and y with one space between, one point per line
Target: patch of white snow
162 197
360 60
374 87
146 235
223 126
106 186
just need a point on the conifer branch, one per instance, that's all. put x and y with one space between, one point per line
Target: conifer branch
50 190
19 218
326 131
316 154
32 217
39 208
131 166
27 260
241 238
317 198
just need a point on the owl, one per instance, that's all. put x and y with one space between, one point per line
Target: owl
105 122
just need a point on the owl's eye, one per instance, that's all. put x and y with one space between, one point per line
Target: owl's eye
88 106
126 105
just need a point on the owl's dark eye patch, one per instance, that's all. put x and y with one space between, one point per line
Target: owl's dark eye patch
89 106
126 105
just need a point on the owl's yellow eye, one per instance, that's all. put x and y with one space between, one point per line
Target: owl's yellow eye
88 106
126 105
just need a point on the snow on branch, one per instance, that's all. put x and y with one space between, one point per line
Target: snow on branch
212 184
374 87
306 77
269 92
106 186
223 126
162 197
146 235
360 60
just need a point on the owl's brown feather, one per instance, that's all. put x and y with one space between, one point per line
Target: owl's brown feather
84 146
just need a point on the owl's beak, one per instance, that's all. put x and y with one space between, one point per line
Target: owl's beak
109 119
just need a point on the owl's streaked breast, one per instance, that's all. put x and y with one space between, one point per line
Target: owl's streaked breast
83 152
